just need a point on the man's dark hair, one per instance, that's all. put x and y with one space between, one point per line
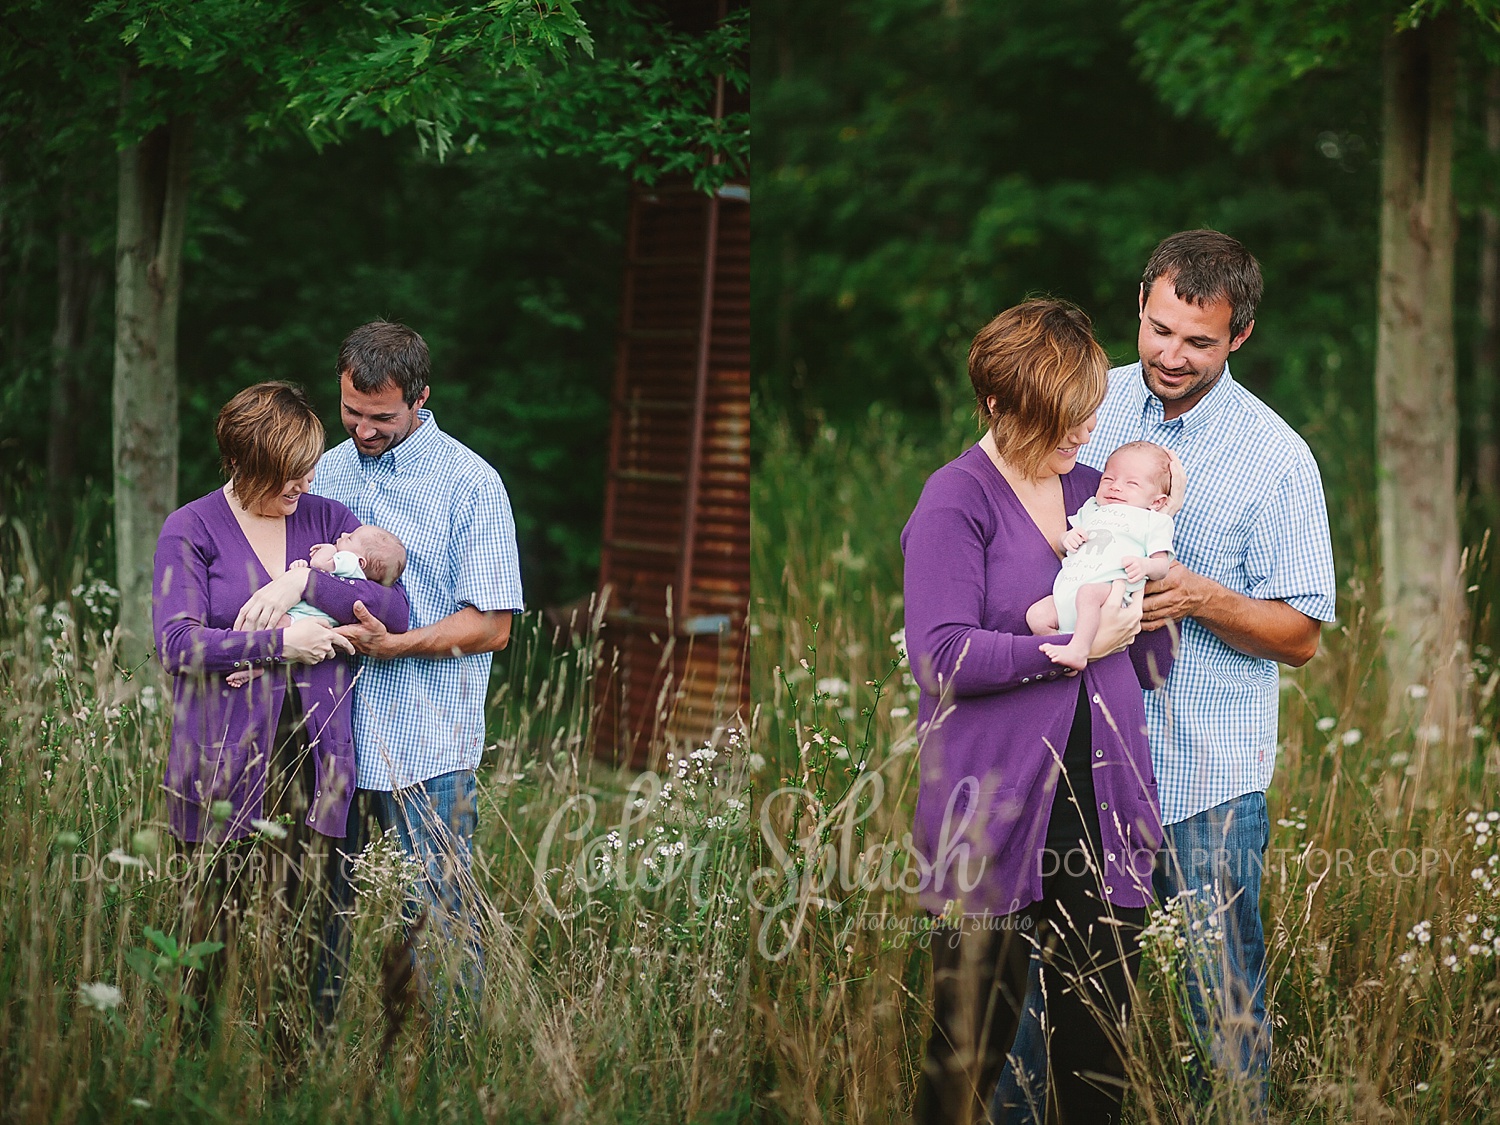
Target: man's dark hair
1206 266
380 353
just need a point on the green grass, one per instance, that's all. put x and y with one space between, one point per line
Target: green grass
790 988
1370 1023
626 1000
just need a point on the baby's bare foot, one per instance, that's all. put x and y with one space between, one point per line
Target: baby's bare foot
1069 656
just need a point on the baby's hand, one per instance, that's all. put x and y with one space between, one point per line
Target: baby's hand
297 564
1135 568
1073 539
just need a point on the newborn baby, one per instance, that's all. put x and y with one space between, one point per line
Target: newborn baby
366 552
1122 531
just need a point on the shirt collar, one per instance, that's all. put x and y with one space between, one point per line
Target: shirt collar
417 445
1201 413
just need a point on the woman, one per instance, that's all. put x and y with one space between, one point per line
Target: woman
276 755
1015 856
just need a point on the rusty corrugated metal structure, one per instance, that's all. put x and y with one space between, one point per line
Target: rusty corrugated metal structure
676 549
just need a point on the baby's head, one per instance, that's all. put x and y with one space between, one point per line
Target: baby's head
381 555
1138 474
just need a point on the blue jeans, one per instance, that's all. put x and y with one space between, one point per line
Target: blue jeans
435 821
1218 856
1216 859
1021 1095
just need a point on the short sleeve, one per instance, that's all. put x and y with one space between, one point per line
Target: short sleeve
483 553
1085 510
346 565
1288 556
1159 534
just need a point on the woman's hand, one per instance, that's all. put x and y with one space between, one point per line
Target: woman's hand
1179 485
306 641
1118 624
269 604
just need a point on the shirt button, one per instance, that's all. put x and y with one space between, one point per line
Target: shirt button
1026 679
1109 890
1098 753
1096 698
1104 804
1110 857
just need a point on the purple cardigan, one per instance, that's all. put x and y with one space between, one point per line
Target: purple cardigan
995 712
222 736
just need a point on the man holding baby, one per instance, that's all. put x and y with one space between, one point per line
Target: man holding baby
1251 582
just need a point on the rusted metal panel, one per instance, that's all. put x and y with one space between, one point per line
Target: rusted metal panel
676 552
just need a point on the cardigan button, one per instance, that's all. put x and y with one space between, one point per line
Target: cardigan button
1096 698
1109 890
1098 753
1110 857
1026 679
1104 804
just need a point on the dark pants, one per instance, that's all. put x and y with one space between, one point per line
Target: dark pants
1089 956
293 875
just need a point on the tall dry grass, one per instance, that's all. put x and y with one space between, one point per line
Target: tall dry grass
617 985
1382 892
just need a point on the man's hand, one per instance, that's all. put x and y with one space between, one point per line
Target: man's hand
463 632
1180 594
369 635
1073 539
269 604
1179 485
1259 627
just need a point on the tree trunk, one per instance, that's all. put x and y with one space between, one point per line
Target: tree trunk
77 287
1487 339
4 295
1417 429
148 285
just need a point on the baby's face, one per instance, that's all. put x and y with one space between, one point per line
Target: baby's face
321 557
352 541
1131 478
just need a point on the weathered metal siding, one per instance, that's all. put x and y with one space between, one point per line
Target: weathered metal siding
676 545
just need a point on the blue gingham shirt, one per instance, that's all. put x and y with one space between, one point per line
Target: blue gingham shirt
1253 519
416 718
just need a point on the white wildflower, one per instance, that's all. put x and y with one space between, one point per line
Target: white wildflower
1326 723
898 638
1351 736
100 996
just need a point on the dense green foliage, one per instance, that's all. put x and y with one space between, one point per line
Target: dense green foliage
468 173
290 249
921 166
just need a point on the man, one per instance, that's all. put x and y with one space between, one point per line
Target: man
419 697
1252 581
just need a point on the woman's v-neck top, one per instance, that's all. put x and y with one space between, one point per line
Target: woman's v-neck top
205 571
995 712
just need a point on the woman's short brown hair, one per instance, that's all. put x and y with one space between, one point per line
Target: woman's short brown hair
268 434
1041 364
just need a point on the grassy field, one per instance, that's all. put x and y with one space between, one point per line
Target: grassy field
739 945
616 934
1384 965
